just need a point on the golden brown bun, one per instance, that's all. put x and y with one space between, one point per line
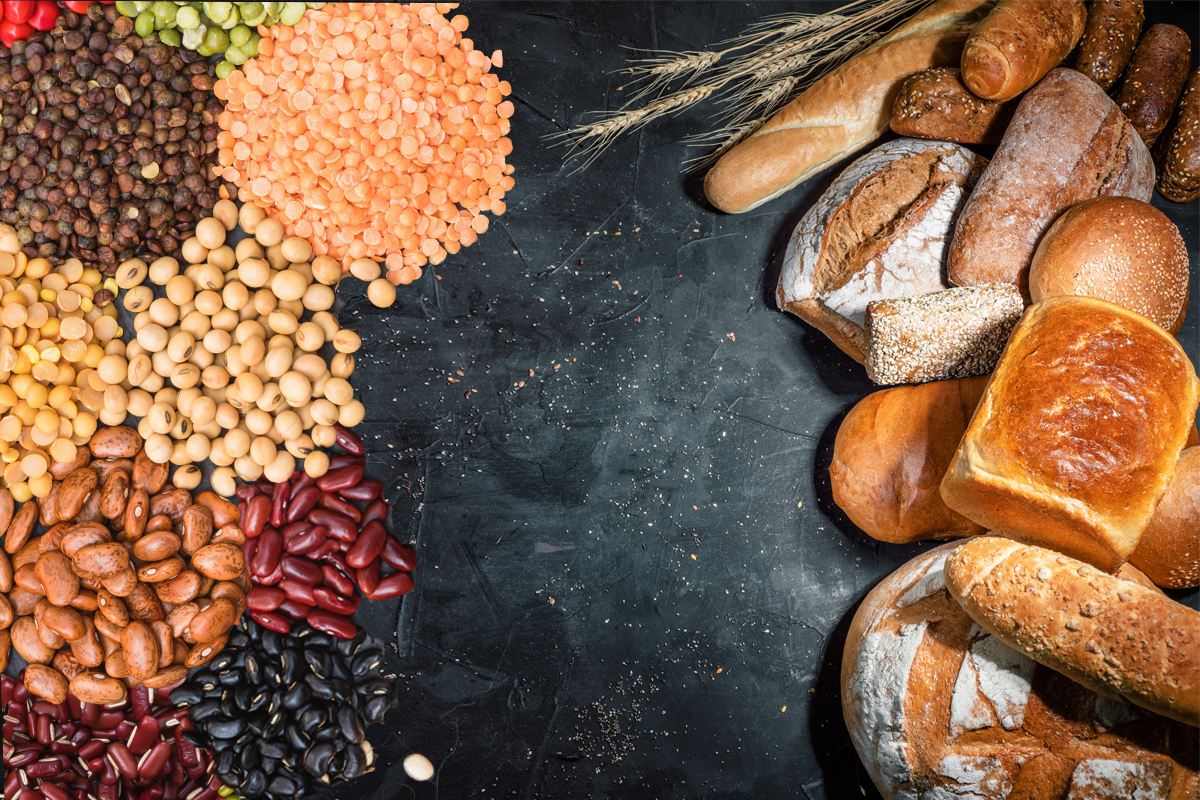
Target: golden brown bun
890 454
1115 637
939 708
1079 430
1116 249
840 113
1019 42
1169 552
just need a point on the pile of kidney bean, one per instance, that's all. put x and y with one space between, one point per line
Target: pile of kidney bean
287 713
137 748
312 544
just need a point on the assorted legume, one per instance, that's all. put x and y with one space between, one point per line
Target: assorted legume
372 129
287 712
106 139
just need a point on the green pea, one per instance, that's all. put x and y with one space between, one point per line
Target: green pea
292 13
204 51
216 40
194 37
127 8
235 56
233 19
217 12
170 37
188 19
225 69
273 9
144 24
250 48
165 11
239 35
253 14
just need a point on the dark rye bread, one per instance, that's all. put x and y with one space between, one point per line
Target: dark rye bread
1067 142
934 104
1178 151
1112 31
1155 79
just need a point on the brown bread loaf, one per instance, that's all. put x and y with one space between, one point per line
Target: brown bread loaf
890 454
1077 435
938 708
1067 142
1116 249
1155 79
934 104
1169 552
1116 638
1112 31
1017 43
840 113
1177 153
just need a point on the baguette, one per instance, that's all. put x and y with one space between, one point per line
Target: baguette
1112 31
1155 79
1019 42
840 113
1178 151
1113 636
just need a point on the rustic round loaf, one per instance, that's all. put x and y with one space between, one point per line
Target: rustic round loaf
939 709
1116 249
1169 551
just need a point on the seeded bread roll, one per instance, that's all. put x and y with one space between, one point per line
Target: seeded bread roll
934 104
1112 31
1116 249
1169 552
1116 638
1017 43
1178 150
952 334
1077 435
1155 79
939 709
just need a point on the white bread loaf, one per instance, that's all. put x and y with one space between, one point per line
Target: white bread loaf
938 709
846 109
879 232
1124 641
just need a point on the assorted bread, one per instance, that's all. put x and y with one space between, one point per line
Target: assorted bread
1017 43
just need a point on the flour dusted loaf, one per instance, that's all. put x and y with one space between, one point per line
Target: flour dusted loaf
1116 638
1169 552
880 231
1067 142
890 454
1079 430
938 709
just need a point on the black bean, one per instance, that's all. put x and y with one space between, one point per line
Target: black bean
237 639
223 728
341 670
319 688
203 710
317 759
318 662
283 786
330 734
242 696
290 664
270 642
224 767
295 697
259 699
356 762
348 647
373 686
229 705
221 745
365 662
376 707
342 691
224 660
271 675
186 695
351 725
253 786
272 748
252 671
293 736
313 718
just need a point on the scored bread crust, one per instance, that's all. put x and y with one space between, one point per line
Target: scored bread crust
844 110
1118 639
938 708
1079 430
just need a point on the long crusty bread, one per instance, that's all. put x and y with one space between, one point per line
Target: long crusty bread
843 111
1115 637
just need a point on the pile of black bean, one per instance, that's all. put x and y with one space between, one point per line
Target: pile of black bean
286 713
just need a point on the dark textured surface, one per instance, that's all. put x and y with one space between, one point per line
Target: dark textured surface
633 583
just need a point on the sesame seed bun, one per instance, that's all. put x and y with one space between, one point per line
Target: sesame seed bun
1116 249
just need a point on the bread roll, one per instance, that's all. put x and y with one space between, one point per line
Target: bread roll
1115 637
843 111
1077 435
1178 150
1111 33
1169 552
934 104
952 334
879 231
1017 43
1067 142
1155 79
939 709
890 454
1116 249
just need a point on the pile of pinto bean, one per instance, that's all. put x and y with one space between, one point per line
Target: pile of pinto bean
133 582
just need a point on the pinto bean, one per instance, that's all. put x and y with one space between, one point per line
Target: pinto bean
232 592
114 663
28 644
121 583
97 688
158 571
66 622
54 571
114 495
27 554
46 682
229 534
7 507
141 650
148 475
118 442
5 648
21 526
205 652
144 605
6 573
7 615
160 522
101 560
223 511
221 562
112 607
91 509
26 578
81 535
61 469
180 617
172 503
183 587
166 677
107 466
74 491
106 627
137 514
213 621
49 636
85 601
66 663
86 648
52 539
197 528
23 600
47 510
156 546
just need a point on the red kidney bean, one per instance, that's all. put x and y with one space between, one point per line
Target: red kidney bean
337 580
339 460
256 512
393 585
371 541
272 621
144 735
334 503
398 555
52 791
377 510
300 569
324 549
154 762
91 750
294 609
185 750
340 526
249 548
303 543
295 528
364 491
109 719
367 578
333 624
245 491
332 601
206 794
44 768
302 502
265 598
122 758
269 551
279 500
139 702
348 440
41 728
152 792
297 590
338 479
273 579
